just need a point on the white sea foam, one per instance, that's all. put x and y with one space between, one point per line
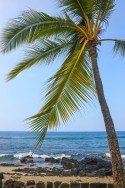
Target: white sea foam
108 155
21 155
4 155
34 155
60 156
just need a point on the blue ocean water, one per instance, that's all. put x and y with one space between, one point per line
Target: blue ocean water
14 145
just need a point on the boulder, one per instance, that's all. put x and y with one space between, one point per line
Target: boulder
30 182
84 185
40 184
66 173
18 184
49 185
57 184
69 163
90 160
92 166
1 175
82 165
8 184
27 159
102 172
82 173
75 185
102 163
52 160
57 171
74 172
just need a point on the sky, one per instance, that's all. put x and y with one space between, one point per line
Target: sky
22 97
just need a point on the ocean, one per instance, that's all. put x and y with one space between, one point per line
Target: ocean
14 145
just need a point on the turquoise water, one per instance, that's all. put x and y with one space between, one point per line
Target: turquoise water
14 145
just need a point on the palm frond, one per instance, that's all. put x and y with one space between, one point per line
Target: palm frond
30 24
41 52
119 47
56 31
39 124
52 33
103 10
68 89
77 8
86 10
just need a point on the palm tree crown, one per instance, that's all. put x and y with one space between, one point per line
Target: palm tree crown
71 35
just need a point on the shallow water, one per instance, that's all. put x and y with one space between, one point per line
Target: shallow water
14 145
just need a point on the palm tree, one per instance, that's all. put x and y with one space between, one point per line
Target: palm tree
75 35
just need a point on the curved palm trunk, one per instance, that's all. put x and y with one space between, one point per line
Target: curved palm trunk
117 165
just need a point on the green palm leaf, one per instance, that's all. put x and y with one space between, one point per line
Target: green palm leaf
41 52
77 8
103 10
27 26
68 89
119 47
93 9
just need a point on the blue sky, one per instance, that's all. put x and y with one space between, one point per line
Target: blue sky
22 97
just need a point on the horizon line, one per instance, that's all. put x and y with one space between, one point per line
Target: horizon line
62 131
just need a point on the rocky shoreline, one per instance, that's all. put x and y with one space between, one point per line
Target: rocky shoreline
90 167
89 172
